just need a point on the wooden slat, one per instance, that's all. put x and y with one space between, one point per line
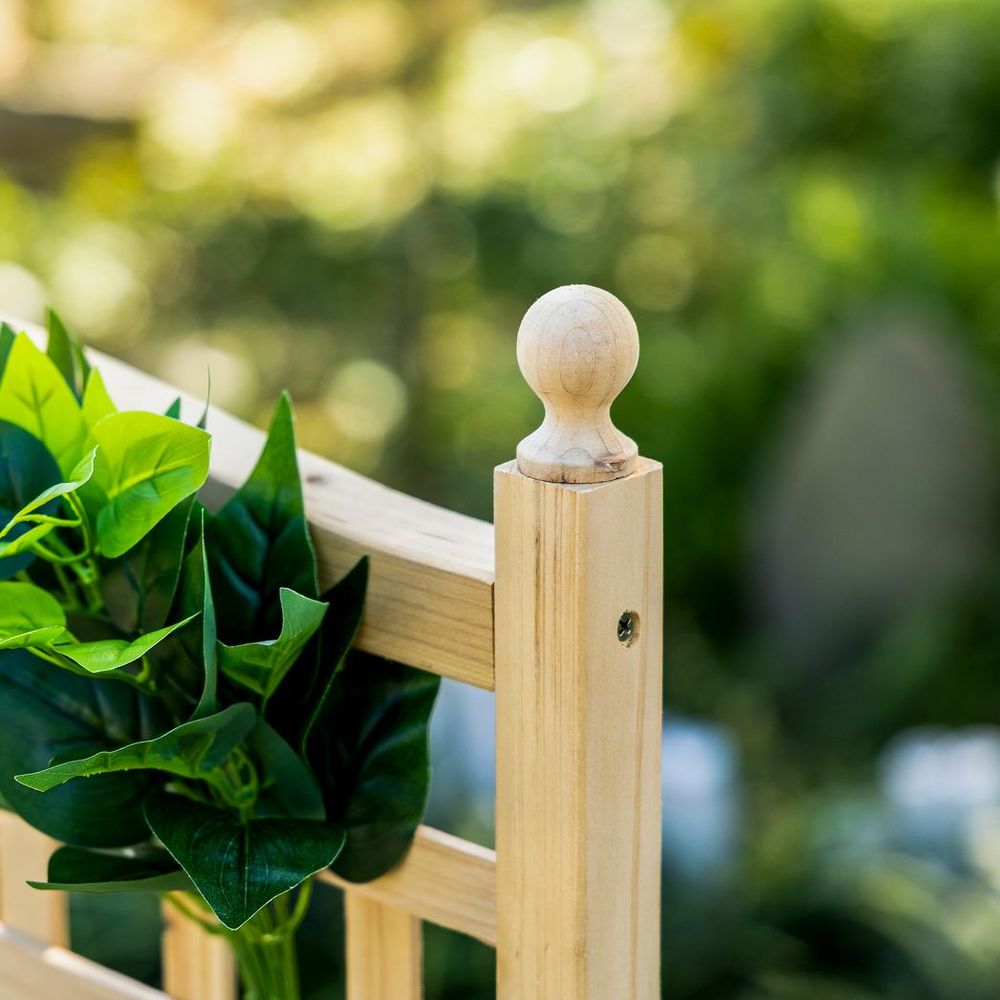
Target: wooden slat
443 879
196 965
578 737
430 599
33 971
384 951
24 854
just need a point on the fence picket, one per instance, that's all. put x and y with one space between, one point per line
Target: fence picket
384 951
24 854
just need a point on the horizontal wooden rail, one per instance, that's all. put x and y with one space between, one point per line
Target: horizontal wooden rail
34 971
430 599
444 879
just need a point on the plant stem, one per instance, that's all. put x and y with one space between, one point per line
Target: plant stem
265 950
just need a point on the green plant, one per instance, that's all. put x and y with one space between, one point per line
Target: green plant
186 665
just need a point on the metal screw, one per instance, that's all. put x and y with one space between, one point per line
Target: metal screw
628 628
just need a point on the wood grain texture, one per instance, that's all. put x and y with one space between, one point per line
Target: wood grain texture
577 347
196 965
30 970
444 880
430 595
24 854
384 951
578 737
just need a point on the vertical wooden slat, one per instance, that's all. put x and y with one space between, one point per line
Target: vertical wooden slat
196 965
384 951
24 854
578 738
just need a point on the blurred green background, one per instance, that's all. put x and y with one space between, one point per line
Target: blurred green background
798 199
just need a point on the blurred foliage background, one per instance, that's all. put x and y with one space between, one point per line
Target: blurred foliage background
358 199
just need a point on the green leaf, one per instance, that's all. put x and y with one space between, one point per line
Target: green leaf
34 395
261 666
174 409
66 354
146 465
45 712
190 750
259 541
97 404
300 703
370 753
73 869
7 337
26 469
139 586
32 512
288 787
104 655
240 867
194 596
29 617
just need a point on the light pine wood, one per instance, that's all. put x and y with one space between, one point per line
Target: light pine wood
577 348
196 965
384 951
578 737
430 595
30 970
443 879
24 854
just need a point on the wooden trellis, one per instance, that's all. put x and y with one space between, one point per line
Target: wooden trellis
559 612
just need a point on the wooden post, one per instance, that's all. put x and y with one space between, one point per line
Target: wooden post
578 673
24 854
196 965
384 951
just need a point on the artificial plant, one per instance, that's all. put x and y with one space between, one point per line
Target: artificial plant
179 704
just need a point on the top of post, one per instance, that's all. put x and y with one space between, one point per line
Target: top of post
577 347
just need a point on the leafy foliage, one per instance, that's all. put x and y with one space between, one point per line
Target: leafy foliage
182 663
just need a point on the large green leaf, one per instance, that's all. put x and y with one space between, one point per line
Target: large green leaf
261 666
26 470
146 465
29 617
196 596
34 395
300 701
240 867
139 586
259 542
190 750
97 404
66 354
77 870
369 750
103 655
46 713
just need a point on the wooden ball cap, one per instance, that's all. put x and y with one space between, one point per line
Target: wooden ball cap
577 348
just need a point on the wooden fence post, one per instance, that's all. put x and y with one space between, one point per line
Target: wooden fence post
578 672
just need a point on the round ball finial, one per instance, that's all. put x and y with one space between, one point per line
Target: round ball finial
577 347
